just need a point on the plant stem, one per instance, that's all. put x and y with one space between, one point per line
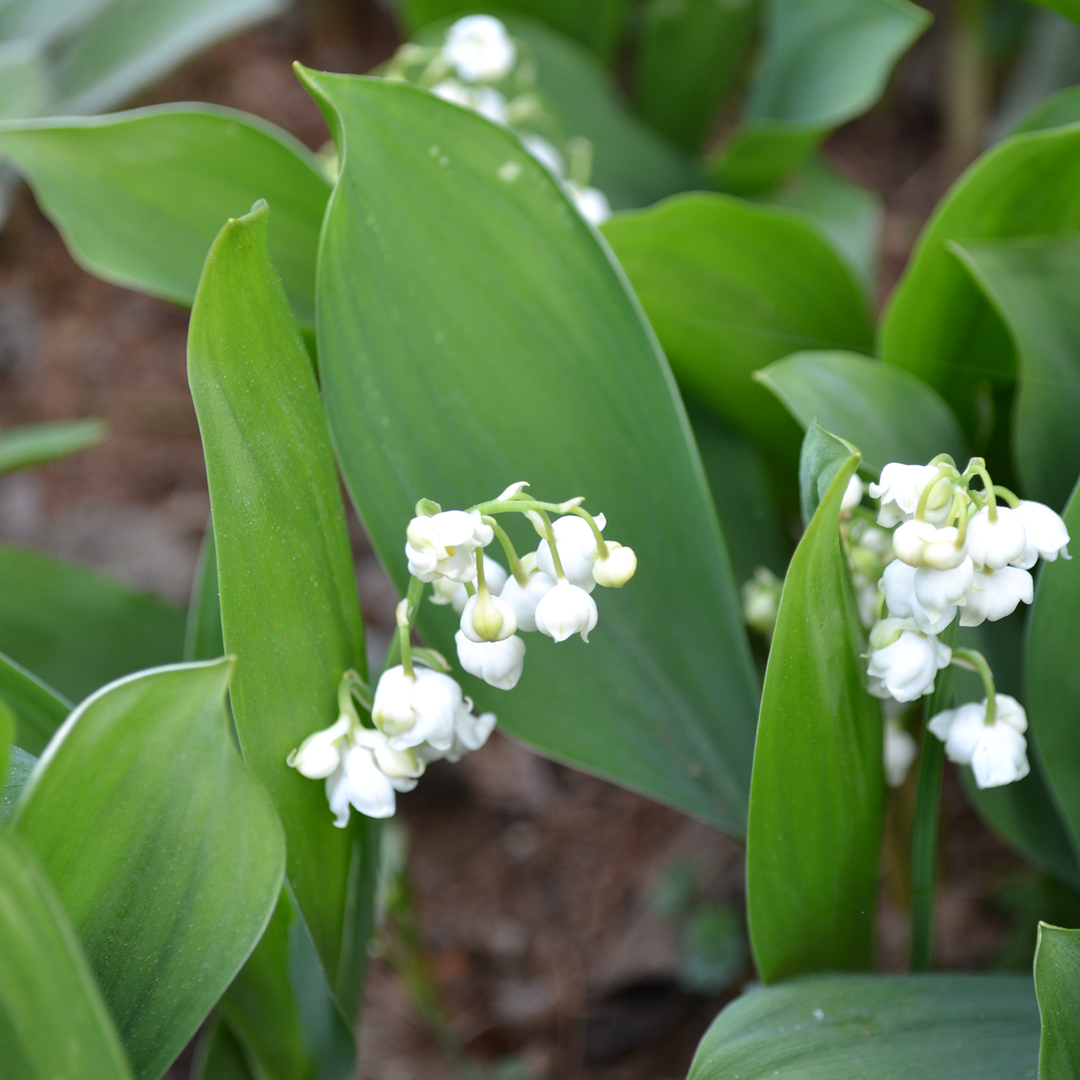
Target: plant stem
924 829
967 88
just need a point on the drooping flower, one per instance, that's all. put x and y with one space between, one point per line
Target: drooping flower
902 600
919 543
899 750
524 598
470 733
614 571
577 550
592 204
487 618
939 590
565 610
997 752
995 544
761 600
479 49
903 661
411 709
320 753
853 494
443 545
994 594
485 100
445 591
900 489
498 663
1046 533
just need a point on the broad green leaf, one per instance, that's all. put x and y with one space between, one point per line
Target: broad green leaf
939 325
288 597
38 708
689 52
203 640
729 287
1055 110
1034 285
53 1022
817 791
8 722
900 1027
35 444
823 455
824 62
219 1055
140 196
20 766
1057 984
77 630
523 356
850 215
165 853
597 25
130 44
1053 678
888 413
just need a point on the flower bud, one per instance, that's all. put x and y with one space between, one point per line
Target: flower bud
319 754
487 618
919 543
524 598
498 663
479 48
995 544
761 600
577 550
853 494
566 609
899 751
617 569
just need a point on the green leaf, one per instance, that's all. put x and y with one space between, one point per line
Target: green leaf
823 64
219 1055
1055 110
823 456
130 44
890 414
904 1027
939 325
597 25
1033 284
817 791
165 853
1053 678
288 596
35 444
203 639
850 215
524 356
39 710
730 287
24 81
53 1022
689 53
1057 984
140 196
8 721
77 630
20 766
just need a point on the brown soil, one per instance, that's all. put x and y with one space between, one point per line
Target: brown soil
532 881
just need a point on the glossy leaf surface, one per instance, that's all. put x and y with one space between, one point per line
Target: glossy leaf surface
53 1022
1057 984
288 597
140 196
39 710
729 287
20 766
907 1027
1053 678
472 332
35 444
939 325
157 841
203 638
1034 285
889 414
219 1055
816 796
77 630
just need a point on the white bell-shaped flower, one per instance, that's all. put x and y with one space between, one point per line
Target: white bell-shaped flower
401 767
565 610
443 545
592 204
900 489
919 543
761 600
545 153
524 598
488 618
939 590
902 600
617 569
360 782
479 48
995 544
485 100
413 709
1046 533
498 663
997 753
470 733
903 661
900 751
994 594
319 754
445 591
577 550
853 494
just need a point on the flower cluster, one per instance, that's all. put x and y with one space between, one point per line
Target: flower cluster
956 550
479 66
418 713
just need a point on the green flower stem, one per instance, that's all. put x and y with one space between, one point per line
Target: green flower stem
481 584
924 498
516 568
924 829
549 532
1012 499
977 467
353 689
601 546
406 616
973 660
522 503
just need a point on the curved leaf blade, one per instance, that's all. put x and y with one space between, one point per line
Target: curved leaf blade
817 791
1057 984
140 196
885 411
523 355
157 840
288 597
38 708
35 444
52 1019
905 1027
